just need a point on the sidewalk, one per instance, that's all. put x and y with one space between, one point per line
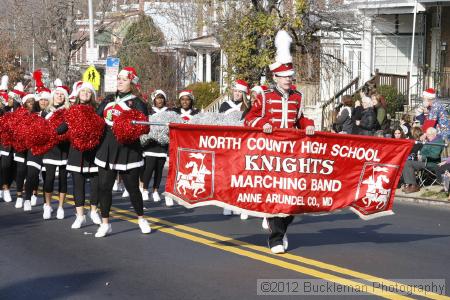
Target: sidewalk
431 195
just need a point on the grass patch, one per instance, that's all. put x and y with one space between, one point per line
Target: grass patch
435 194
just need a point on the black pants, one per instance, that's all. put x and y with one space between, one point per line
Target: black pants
152 165
278 227
7 169
79 188
49 181
130 180
32 182
21 173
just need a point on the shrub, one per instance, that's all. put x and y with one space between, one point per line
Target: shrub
205 93
394 99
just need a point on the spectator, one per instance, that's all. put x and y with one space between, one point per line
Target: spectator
398 133
405 125
433 109
429 157
368 123
343 123
380 107
356 116
416 133
442 168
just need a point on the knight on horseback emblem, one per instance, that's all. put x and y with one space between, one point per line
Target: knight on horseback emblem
376 193
192 181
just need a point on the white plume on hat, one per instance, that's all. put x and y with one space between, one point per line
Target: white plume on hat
57 82
19 87
4 82
283 43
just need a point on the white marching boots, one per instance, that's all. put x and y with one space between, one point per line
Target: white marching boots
145 196
47 211
265 224
27 205
169 201
125 194
7 196
144 226
19 202
103 230
95 217
79 222
34 199
156 197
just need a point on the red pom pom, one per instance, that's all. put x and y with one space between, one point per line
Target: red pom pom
41 138
19 126
85 127
6 134
127 133
55 120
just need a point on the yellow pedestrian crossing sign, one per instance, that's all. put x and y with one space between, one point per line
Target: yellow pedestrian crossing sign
93 76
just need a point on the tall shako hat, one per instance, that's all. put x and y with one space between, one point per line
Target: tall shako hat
283 60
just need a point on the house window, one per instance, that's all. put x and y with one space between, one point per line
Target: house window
392 54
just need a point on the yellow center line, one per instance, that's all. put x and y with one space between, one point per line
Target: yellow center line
269 259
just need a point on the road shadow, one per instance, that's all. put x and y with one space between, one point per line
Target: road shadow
59 286
336 236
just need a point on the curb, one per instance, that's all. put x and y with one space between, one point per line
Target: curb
422 201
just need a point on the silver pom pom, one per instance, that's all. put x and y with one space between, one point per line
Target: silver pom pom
160 134
209 118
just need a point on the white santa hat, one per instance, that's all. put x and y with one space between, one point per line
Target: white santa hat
45 94
74 93
28 97
159 92
86 85
4 83
188 93
282 66
17 91
59 87
429 93
131 73
241 85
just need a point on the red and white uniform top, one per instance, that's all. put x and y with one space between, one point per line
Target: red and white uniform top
115 108
279 109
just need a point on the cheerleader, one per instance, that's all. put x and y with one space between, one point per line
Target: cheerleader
7 166
186 105
113 157
30 104
34 162
82 166
155 154
56 157
240 92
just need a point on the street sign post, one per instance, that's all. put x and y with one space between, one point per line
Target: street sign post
111 72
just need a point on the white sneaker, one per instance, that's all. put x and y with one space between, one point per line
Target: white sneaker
103 230
279 249
34 199
79 221
19 203
227 212
7 196
27 205
60 213
244 216
145 195
1 194
285 242
95 217
47 211
143 224
169 201
156 196
265 224
125 194
116 186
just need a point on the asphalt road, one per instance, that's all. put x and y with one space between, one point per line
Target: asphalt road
201 254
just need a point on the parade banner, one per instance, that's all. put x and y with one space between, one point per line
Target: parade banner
285 172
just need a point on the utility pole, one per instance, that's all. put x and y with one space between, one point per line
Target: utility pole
91 57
